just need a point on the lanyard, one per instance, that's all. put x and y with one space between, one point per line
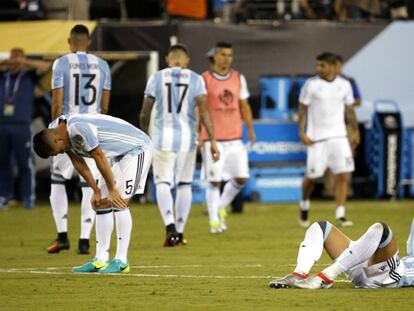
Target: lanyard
15 87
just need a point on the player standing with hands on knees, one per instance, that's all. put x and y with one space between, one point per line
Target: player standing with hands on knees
176 94
81 83
227 98
123 155
325 100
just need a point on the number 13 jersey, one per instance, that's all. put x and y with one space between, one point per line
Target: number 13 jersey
173 119
83 78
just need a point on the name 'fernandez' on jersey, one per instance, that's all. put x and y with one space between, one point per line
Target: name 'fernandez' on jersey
83 78
174 120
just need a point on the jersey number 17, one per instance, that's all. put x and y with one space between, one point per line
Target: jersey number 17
180 103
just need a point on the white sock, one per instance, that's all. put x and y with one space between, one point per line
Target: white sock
104 227
59 203
231 189
87 213
123 233
357 251
165 203
212 197
304 205
182 206
340 211
310 250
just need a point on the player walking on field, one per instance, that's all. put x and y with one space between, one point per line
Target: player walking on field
123 155
175 93
227 98
81 83
372 261
325 100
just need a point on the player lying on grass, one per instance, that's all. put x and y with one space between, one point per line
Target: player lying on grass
123 156
370 262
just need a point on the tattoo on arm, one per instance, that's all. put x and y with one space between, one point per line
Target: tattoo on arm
145 115
351 117
57 103
205 116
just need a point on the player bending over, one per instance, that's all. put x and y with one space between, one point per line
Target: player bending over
123 156
370 262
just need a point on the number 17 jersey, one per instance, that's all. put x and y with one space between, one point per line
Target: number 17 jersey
83 78
173 124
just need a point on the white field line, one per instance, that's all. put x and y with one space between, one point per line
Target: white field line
170 267
52 271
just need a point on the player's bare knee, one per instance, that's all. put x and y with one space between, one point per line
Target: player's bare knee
215 184
342 177
326 228
240 181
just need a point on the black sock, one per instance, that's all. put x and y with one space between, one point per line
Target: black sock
170 228
62 236
304 215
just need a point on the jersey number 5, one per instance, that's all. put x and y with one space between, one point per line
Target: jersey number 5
168 85
88 85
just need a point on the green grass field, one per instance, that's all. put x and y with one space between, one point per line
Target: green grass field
229 271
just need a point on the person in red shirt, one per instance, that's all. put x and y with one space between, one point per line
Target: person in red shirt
227 98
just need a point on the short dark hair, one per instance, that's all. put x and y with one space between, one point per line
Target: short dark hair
223 45
79 30
178 47
327 57
17 50
40 145
339 58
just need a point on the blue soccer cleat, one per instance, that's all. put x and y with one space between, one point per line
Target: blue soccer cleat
115 266
91 266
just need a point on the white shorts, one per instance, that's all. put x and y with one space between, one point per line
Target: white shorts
173 167
384 274
130 174
63 169
233 162
334 153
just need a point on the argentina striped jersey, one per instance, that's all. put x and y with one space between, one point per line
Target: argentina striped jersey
83 78
173 127
114 136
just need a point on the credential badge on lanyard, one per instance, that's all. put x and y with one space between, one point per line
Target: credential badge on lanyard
11 94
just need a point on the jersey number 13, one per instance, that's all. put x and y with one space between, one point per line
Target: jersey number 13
88 86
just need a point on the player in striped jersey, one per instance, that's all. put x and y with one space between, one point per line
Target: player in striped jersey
123 156
372 261
174 93
81 83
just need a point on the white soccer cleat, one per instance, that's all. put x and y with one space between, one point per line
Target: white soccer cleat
223 219
288 281
317 281
215 227
343 222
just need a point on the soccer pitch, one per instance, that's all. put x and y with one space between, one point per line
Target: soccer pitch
229 271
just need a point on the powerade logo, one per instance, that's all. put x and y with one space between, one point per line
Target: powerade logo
392 164
277 147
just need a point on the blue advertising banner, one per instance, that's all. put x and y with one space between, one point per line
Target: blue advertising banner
276 142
